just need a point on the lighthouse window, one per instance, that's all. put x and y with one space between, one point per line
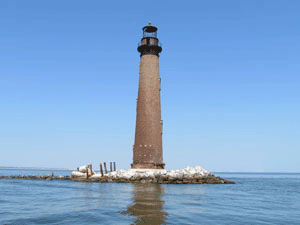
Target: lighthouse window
151 41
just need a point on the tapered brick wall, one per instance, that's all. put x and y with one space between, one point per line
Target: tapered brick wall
147 149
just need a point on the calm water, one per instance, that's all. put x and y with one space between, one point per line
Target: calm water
255 199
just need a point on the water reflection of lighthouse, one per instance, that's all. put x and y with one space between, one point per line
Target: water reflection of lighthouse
147 204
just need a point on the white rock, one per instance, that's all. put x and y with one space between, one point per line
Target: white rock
78 174
97 175
82 169
187 171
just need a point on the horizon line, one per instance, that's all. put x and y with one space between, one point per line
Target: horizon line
51 168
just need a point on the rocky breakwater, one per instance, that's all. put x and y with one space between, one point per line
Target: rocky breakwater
188 175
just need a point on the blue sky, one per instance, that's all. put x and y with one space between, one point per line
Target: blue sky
230 82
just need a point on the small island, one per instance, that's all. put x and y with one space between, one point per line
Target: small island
188 175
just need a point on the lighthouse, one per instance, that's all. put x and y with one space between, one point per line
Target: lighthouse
147 148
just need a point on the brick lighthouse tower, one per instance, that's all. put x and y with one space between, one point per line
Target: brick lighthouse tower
147 148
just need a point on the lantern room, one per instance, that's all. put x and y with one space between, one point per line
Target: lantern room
149 43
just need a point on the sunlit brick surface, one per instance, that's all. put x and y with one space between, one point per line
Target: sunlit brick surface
147 149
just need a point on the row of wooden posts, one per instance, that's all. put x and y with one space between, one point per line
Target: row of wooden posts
111 167
112 164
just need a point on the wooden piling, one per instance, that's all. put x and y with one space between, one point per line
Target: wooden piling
101 169
114 166
91 167
52 174
105 167
87 172
110 166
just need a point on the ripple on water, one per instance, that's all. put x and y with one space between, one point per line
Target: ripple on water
255 199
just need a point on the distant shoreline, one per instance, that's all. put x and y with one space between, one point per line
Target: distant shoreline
35 168
75 169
